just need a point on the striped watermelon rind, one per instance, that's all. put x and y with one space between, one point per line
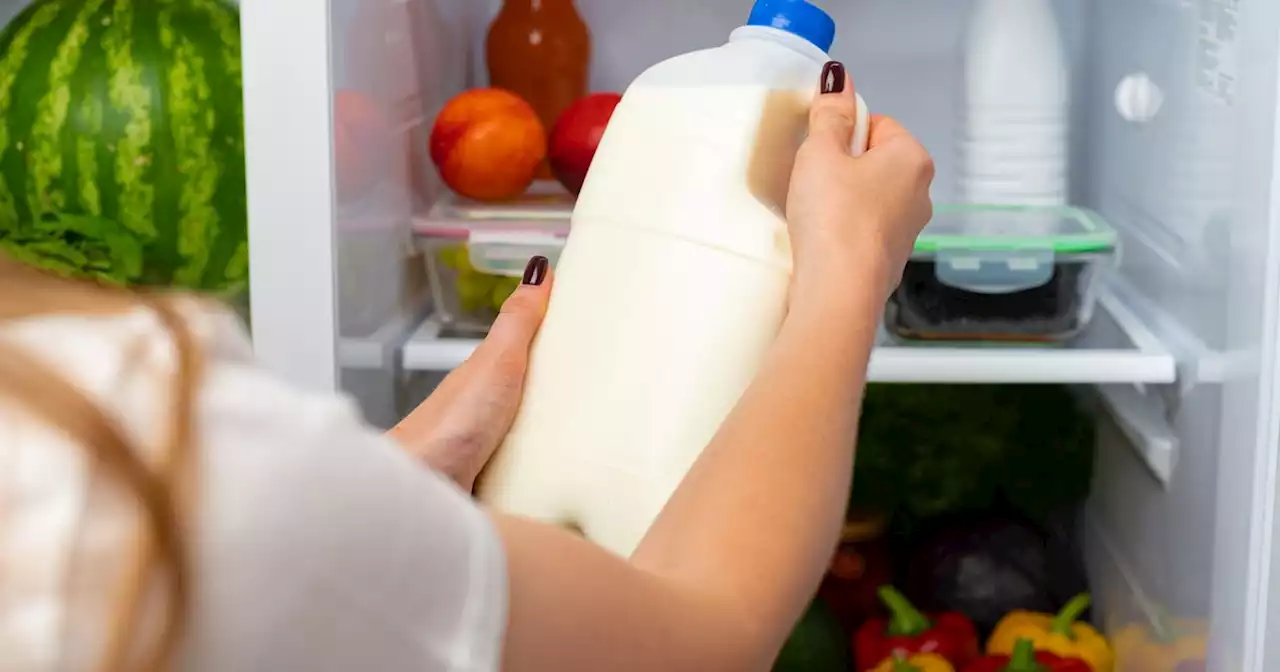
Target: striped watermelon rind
122 141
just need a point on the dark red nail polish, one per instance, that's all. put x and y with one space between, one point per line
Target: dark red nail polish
833 77
536 271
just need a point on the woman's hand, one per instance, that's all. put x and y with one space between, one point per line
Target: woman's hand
853 218
457 428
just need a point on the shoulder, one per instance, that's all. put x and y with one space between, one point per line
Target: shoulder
125 362
320 544
119 363
384 564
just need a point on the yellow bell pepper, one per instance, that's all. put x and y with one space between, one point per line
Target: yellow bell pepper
917 662
1059 634
1163 647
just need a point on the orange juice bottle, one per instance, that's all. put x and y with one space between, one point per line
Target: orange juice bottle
541 51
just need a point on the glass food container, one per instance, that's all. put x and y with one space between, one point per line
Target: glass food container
1002 273
476 253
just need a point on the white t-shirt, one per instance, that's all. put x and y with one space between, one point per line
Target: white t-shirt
319 545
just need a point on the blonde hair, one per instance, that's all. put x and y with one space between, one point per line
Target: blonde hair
160 490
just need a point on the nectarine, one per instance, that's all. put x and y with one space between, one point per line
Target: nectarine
487 144
576 135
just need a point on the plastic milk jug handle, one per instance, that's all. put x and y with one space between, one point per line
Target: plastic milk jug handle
861 128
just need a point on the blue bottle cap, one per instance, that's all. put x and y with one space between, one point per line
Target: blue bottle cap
797 17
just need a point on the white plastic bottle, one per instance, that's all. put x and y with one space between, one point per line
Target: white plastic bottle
1012 136
673 282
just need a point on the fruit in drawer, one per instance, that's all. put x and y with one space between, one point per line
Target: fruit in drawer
576 136
360 142
502 290
476 291
123 152
487 144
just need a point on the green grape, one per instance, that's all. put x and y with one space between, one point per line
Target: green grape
455 257
474 290
445 256
502 290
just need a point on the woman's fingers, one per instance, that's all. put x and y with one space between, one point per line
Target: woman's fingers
885 128
458 427
891 144
507 344
834 113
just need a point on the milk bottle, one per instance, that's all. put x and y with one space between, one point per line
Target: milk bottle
1012 141
673 282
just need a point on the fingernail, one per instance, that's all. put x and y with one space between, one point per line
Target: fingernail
536 271
833 77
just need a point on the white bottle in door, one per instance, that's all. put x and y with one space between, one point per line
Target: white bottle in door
673 282
1012 132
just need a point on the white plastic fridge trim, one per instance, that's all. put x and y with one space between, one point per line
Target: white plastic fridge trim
1139 415
1261 649
289 166
378 351
1145 360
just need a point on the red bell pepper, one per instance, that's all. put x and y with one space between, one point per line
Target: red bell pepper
1026 659
950 635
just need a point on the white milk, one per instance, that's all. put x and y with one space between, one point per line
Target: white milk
1012 140
671 287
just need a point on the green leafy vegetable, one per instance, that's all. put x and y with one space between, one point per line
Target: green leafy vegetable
929 450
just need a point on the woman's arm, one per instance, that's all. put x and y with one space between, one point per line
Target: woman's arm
456 429
726 569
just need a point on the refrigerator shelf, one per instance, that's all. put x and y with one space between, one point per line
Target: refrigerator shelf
378 350
1117 348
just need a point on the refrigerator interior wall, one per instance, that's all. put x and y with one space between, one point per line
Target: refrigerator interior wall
394 65
1167 186
901 55
1192 193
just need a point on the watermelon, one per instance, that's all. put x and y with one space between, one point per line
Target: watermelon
122 142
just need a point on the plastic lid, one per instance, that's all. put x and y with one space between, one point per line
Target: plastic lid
797 17
545 210
998 249
998 228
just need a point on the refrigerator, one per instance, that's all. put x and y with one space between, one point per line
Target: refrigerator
1173 140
